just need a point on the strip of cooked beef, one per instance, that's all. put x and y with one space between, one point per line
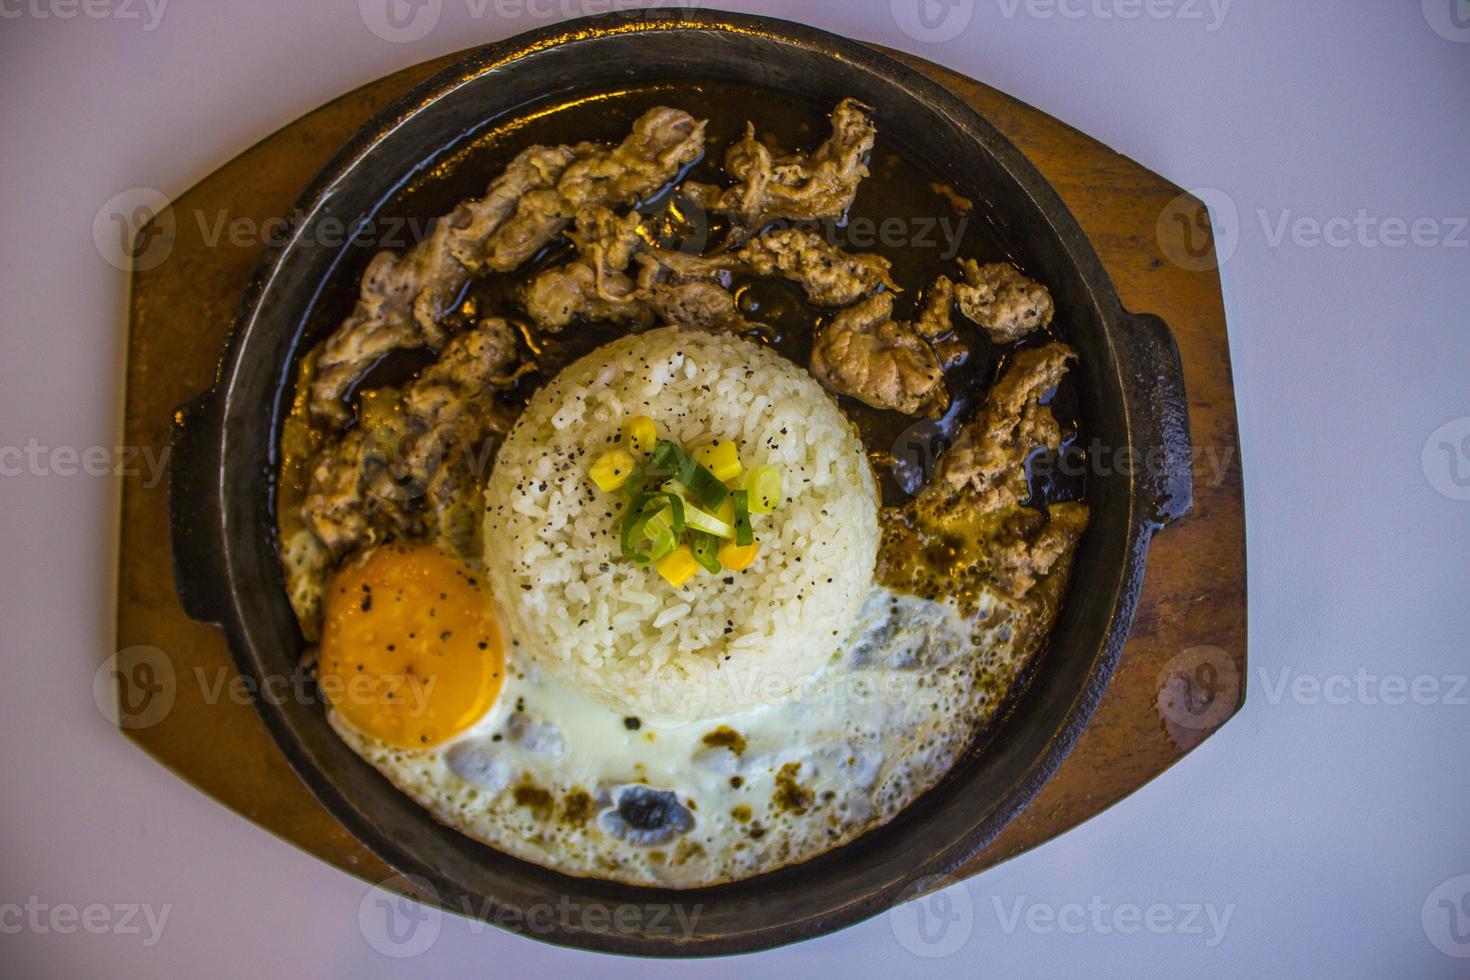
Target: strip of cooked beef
704 306
800 186
691 290
404 296
985 462
410 468
865 353
663 141
1006 304
664 267
969 527
1030 542
936 325
828 275
934 321
604 240
592 286
574 291
670 283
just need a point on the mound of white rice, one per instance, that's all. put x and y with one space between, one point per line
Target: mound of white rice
620 633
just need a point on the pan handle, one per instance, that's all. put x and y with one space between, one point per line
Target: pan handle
1153 380
193 509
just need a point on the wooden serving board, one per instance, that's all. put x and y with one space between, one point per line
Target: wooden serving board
1183 669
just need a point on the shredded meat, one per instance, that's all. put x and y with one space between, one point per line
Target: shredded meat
1029 543
985 461
697 306
936 325
593 286
973 510
662 142
674 284
934 322
562 294
800 186
604 240
828 275
658 266
410 471
865 353
1006 304
403 297
690 290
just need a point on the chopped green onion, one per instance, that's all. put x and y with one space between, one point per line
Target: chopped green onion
664 543
674 500
702 485
744 533
705 548
708 523
635 531
676 508
764 484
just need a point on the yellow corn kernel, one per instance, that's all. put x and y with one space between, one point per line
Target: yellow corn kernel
612 469
764 485
737 557
641 434
721 458
677 566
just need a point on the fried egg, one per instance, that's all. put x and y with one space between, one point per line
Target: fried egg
551 776
411 653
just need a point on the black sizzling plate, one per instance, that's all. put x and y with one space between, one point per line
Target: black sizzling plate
1128 392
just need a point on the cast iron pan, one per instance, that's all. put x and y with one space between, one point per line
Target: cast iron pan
1130 392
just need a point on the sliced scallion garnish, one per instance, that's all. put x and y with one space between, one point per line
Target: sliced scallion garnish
744 533
705 548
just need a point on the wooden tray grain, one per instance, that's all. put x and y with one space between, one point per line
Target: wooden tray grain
1182 671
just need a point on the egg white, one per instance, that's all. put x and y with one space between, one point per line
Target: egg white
540 776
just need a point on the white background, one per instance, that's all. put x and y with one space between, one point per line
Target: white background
1321 829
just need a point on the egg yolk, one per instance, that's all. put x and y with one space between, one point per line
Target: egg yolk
411 650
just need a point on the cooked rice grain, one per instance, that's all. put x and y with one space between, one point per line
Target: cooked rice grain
619 632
